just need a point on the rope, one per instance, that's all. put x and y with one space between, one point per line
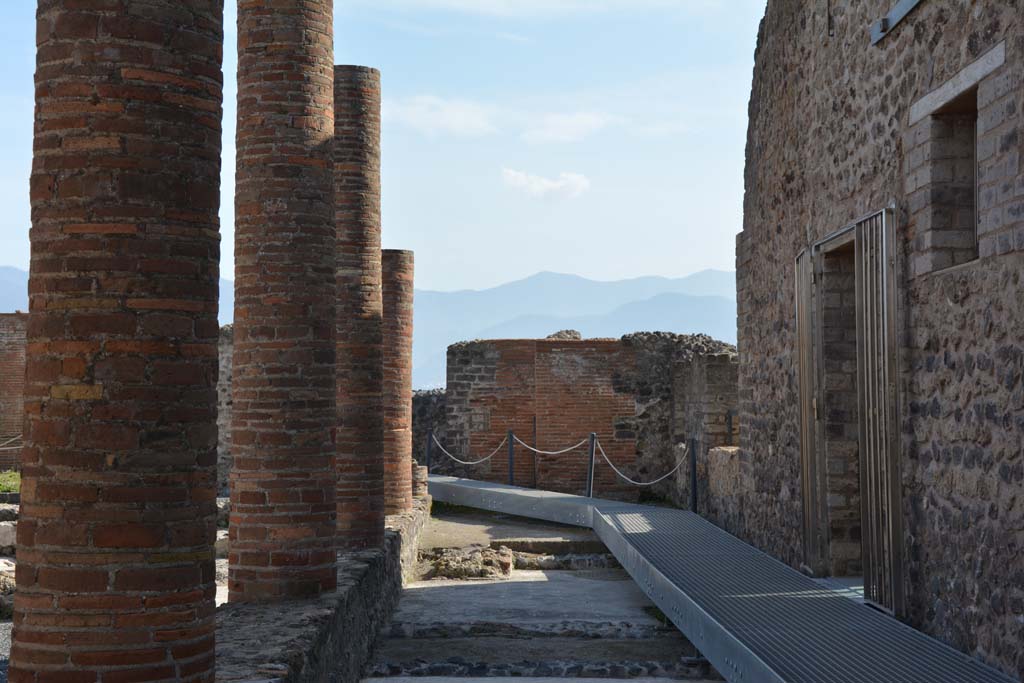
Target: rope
475 462
565 450
635 483
10 441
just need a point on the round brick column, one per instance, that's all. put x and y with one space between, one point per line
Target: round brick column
115 538
282 525
398 303
359 333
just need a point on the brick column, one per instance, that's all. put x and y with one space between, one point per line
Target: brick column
282 530
360 364
115 540
398 288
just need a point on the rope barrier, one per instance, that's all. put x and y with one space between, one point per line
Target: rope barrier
565 450
600 449
475 462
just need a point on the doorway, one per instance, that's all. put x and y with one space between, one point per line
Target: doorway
849 438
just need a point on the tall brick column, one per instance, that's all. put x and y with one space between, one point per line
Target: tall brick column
360 364
398 302
115 540
282 528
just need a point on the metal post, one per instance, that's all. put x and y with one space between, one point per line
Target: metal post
430 447
590 465
693 475
511 458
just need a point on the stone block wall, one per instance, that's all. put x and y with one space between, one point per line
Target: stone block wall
429 411
704 415
842 462
840 128
12 383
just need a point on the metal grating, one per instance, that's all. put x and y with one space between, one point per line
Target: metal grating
754 618
800 631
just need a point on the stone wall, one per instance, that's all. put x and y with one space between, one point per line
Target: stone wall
429 409
225 348
555 391
12 383
704 415
329 637
838 129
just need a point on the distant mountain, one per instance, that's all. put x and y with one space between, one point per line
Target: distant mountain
547 302
534 307
679 313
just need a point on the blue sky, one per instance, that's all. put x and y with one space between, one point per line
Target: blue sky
603 138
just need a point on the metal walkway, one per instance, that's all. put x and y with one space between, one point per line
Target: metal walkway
755 619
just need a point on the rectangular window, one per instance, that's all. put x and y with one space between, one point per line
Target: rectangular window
946 186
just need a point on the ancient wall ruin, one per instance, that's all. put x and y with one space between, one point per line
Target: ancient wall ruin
553 392
840 128
12 387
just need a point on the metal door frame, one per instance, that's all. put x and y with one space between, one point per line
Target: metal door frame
877 409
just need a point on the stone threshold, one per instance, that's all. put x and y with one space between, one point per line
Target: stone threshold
330 637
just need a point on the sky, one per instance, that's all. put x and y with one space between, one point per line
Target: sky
603 138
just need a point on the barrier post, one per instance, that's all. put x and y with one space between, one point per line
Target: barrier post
430 448
693 474
511 458
590 465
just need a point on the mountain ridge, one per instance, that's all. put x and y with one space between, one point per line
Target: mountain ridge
531 307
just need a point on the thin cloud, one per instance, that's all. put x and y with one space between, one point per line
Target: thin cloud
435 115
565 186
553 128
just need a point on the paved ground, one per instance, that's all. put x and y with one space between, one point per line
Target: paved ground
535 625
457 527
534 598
5 648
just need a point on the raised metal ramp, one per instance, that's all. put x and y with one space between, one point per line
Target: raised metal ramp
755 619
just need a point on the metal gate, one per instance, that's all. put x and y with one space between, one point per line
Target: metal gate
879 446
878 427
812 471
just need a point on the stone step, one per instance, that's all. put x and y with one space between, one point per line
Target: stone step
552 546
524 679
664 657
564 629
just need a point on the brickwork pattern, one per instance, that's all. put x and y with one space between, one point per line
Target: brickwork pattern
552 394
283 516
225 359
398 280
829 141
841 424
940 179
576 393
705 393
115 577
12 384
491 389
357 107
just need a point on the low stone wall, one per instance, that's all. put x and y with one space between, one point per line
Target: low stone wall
326 638
727 477
429 411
